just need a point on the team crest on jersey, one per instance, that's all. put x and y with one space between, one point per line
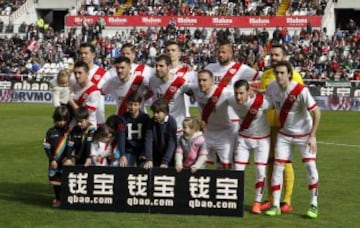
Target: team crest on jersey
226 80
172 89
253 111
137 72
97 77
292 98
232 71
134 87
214 99
85 95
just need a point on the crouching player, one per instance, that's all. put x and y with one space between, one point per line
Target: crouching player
254 135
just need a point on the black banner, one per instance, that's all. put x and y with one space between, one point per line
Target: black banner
206 192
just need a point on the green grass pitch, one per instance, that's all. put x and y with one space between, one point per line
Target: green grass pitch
25 194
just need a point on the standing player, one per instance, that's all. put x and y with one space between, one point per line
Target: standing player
254 134
171 88
277 53
97 75
86 94
226 71
173 50
125 84
299 119
219 131
128 50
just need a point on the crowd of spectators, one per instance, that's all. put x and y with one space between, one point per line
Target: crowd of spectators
101 8
9 6
307 7
311 51
202 8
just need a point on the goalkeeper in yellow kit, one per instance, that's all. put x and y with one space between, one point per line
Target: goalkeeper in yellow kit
277 53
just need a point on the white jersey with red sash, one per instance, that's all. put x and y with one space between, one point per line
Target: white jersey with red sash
253 118
119 90
232 72
214 108
136 84
191 79
88 97
287 103
143 70
229 74
98 76
96 73
219 131
172 91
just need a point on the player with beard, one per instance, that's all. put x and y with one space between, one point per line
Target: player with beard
226 72
219 132
86 94
124 84
171 88
97 75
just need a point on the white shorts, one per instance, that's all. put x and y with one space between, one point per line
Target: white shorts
284 147
245 145
220 145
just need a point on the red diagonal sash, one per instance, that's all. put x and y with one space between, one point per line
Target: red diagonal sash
229 74
174 86
85 94
139 70
100 72
209 106
181 71
289 102
251 114
132 89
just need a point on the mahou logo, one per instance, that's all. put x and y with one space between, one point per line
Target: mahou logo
186 21
117 21
259 21
296 21
89 20
151 20
222 21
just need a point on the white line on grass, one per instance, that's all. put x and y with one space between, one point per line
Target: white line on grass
338 144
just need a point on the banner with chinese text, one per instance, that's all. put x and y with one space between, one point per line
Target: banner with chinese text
206 192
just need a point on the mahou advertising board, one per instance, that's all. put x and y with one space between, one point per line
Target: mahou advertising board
198 21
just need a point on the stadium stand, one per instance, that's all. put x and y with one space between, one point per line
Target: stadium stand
312 53
40 55
7 6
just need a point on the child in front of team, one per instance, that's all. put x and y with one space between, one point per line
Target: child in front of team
191 152
101 148
132 129
60 88
112 122
54 145
80 138
160 139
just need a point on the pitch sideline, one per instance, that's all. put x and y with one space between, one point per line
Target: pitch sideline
338 144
